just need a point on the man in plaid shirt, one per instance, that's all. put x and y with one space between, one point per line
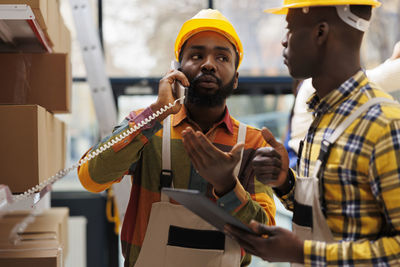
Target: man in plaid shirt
357 192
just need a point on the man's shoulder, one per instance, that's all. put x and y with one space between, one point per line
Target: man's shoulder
254 138
382 112
249 128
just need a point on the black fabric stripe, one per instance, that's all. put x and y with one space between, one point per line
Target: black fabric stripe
302 214
193 238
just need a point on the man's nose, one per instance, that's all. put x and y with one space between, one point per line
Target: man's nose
208 64
284 41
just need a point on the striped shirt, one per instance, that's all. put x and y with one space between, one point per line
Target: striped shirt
360 179
139 155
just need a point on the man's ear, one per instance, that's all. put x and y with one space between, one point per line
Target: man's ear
321 32
236 83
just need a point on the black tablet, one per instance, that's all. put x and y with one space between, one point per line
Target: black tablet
199 204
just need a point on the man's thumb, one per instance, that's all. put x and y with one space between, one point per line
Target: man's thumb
260 228
269 137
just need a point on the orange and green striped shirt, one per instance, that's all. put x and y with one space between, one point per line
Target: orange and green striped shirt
139 155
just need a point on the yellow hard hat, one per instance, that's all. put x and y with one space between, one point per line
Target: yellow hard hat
208 20
309 3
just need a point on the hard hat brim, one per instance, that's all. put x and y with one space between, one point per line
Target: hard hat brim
283 10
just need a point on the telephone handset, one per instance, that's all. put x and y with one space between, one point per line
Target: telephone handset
178 87
43 187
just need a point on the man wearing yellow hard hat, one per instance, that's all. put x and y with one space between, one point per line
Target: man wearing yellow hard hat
155 231
345 193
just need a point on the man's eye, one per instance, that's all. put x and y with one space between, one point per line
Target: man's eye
195 57
223 58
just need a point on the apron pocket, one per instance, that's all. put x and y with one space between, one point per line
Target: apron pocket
195 248
302 215
194 238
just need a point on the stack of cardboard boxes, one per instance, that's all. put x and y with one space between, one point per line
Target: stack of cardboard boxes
34 86
42 242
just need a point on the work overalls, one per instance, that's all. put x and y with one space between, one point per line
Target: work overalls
309 223
176 237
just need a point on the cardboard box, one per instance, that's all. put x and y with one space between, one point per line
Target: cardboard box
47 14
43 79
32 258
52 224
44 242
35 252
63 45
39 9
53 22
35 145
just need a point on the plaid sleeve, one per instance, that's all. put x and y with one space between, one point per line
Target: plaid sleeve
385 187
111 165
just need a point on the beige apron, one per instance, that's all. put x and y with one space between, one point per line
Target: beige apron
309 223
176 237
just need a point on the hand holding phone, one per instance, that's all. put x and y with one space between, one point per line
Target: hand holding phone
178 87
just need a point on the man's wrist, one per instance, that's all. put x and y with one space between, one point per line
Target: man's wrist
156 107
287 186
222 191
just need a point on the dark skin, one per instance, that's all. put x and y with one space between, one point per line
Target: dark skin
208 52
317 45
204 52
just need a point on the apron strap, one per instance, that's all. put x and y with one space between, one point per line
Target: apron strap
166 172
166 147
241 138
327 143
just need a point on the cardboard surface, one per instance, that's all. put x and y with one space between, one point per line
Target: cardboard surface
39 9
42 79
34 141
53 22
48 16
47 235
46 257
63 45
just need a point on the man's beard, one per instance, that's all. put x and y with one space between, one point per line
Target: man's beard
194 95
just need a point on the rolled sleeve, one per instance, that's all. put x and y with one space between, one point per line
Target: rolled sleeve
233 200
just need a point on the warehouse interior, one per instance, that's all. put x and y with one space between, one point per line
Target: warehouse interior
70 70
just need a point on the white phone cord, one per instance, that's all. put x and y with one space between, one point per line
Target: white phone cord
93 154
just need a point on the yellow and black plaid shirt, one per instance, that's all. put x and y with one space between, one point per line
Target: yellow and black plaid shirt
361 178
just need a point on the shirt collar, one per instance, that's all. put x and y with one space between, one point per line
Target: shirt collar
225 122
349 87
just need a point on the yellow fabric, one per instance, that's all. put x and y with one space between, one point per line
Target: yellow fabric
111 206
